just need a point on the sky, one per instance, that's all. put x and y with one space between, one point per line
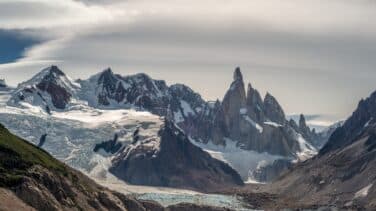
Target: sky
316 57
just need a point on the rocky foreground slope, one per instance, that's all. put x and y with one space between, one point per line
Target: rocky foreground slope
30 179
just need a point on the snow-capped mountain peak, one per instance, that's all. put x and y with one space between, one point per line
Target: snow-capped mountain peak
50 74
50 88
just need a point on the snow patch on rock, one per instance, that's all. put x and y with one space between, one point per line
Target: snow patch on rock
253 123
243 161
363 192
274 124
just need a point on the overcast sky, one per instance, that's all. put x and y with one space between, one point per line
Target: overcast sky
314 56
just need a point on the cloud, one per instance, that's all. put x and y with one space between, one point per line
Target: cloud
21 14
306 52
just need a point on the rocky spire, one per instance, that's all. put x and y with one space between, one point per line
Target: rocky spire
304 129
253 96
293 124
273 110
238 75
234 100
302 121
254 103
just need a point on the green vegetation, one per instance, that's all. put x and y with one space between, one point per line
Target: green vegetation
17 156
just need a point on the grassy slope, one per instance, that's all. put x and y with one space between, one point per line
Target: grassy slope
17 156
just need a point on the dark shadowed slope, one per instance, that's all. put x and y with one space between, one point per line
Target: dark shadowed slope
173 161
344 172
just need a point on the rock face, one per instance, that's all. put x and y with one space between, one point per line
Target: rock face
253 123
50 89
109 90
343 174
323 136
273 110
363 116
233 103
173 161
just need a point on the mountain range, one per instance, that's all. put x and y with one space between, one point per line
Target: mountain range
242 118
144 132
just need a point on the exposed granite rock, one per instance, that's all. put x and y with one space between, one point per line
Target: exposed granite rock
50 84
255 105
109 88
50 89
273 110
323 136
363 116
233 102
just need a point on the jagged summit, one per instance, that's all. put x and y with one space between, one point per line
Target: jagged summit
233 102
302 121
362 120
273 109
50 74
55 70
238 74
106 74
50 88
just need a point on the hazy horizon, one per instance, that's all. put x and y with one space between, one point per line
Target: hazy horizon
315 58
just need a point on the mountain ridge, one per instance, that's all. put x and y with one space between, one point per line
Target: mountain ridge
242 118
178 102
